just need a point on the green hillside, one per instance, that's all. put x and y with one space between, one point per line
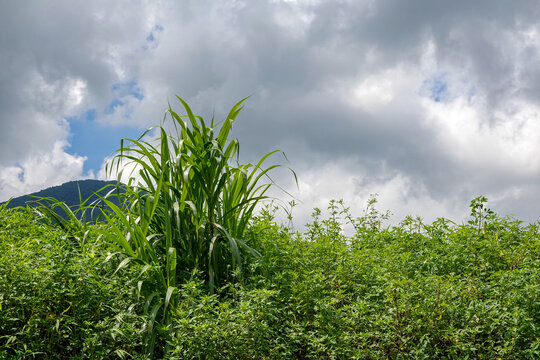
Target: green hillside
67 193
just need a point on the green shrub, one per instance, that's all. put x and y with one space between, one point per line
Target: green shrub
57 302
420 291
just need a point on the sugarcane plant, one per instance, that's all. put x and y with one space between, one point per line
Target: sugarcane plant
186 206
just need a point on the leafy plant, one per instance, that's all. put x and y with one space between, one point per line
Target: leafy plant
413 291
58 302
74 223
481 214
186 207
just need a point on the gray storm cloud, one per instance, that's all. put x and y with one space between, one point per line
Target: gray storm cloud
428 103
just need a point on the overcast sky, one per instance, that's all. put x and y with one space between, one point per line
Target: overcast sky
427 103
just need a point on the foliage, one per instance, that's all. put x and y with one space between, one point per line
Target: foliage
183 223
185 209
413 291
416 290
58 302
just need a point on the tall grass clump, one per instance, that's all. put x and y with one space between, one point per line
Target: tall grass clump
186 207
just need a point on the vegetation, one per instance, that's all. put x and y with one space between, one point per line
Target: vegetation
182 267
185 211
69 193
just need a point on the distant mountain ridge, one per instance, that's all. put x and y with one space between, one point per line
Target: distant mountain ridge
67 193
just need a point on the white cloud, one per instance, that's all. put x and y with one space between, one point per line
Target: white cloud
64 95
294 18
395 192
509 143
374 92
396 86
41 171
114 169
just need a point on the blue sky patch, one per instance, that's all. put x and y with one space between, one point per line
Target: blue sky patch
151 38
437 87
127 88
21 176
113 105
96 141
122 91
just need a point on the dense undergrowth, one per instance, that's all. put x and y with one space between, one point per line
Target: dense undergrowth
57 301
412 291
182 267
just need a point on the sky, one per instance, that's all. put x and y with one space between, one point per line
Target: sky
428 104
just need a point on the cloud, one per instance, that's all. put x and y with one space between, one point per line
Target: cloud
428 103
58 61
41 171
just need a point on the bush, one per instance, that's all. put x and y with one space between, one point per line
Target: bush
57 302
406 292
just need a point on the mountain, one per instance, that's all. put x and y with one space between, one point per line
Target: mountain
67 193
